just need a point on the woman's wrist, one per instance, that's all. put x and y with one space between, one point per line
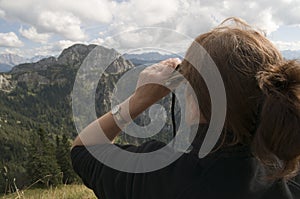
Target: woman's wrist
137 105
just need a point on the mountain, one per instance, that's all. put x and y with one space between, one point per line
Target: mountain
149 58
11 59
154 57
41 91
5 67
37 95
291 54
49 82
35 58
8 61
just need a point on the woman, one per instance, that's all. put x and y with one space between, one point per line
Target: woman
257 155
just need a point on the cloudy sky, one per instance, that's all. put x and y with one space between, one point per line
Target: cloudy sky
38 27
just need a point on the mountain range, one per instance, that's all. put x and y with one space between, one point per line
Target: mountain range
291 54
150 57
8 61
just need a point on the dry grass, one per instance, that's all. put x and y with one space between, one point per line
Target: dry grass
61 192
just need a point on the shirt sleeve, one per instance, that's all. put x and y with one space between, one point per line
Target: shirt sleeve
106 182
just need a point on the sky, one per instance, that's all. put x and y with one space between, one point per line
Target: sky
37 27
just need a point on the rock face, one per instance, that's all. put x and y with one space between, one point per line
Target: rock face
74 55
33 77
6 84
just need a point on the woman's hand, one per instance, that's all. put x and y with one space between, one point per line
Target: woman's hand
150 87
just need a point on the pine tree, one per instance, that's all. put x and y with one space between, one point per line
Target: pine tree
63 146
42 166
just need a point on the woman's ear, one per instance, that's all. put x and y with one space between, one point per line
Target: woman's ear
193 113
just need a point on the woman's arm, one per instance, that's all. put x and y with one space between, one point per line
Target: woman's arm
149 90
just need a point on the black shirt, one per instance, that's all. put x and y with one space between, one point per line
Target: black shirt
231 172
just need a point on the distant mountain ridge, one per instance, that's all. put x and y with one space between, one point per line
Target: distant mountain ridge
291 54
153 57
8 61
149 57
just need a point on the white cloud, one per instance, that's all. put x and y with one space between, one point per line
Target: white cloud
10 40
98 41
14 51
65 24
143 39
94 10
51 49
70 20
195 17
63 17
281 45
145 12
2 14
33 35
62 44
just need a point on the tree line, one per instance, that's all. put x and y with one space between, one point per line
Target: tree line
47 164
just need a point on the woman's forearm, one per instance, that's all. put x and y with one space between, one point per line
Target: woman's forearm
150 89
92 134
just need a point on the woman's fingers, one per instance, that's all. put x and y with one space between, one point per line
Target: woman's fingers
173 62
153 78
158 73
165 68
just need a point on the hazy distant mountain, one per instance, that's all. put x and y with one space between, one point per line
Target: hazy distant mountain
36 58
8 61
150 57
291 54
5 67
11 59
153 57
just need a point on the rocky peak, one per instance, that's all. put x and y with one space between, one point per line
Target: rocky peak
74 55
60 70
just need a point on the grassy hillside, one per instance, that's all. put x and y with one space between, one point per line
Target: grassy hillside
62 192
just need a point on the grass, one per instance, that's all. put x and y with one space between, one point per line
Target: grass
61 192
